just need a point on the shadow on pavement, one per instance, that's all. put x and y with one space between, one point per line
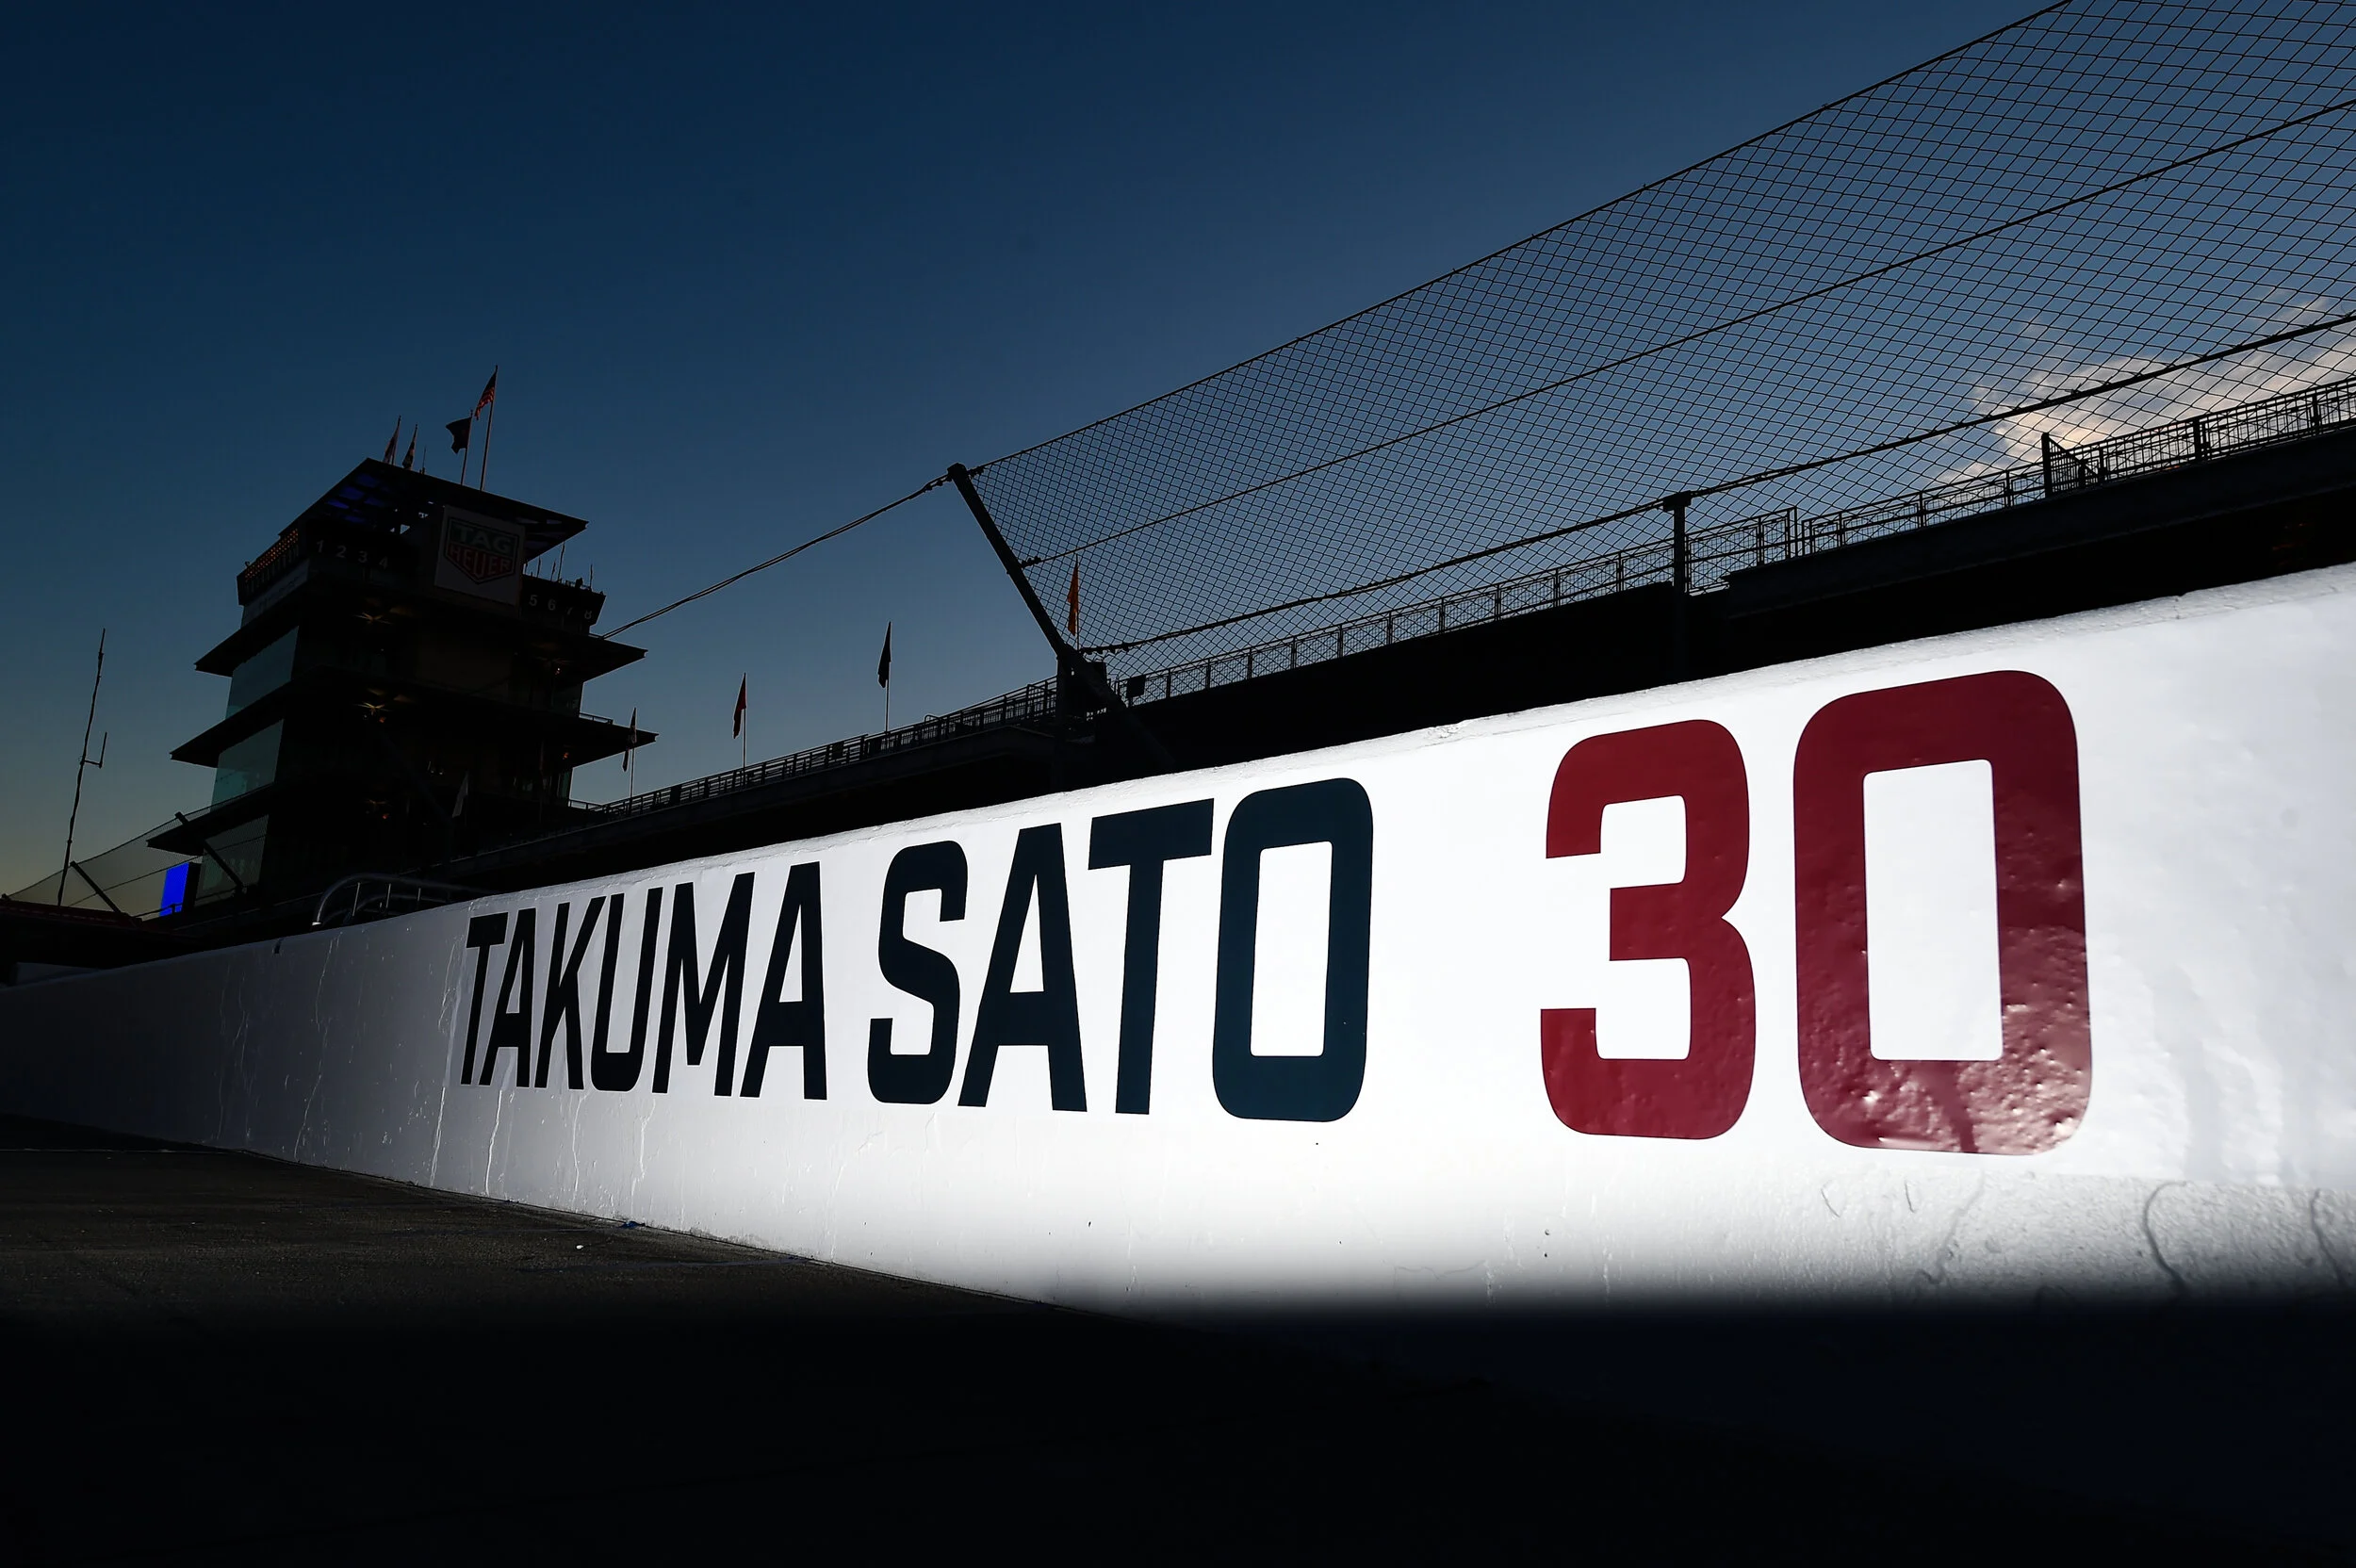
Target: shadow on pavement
220 1358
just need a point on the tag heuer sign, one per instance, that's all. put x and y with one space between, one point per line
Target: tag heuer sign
479 556
482 553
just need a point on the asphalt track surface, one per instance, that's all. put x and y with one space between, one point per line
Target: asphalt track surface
218 1358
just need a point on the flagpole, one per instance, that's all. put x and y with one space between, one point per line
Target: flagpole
482 470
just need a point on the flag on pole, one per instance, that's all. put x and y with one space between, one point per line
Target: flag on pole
459 429
394 440
883 665
484 411
409 460
736 725
1072 603
630 742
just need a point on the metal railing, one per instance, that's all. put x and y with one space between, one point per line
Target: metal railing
1596 578
1716 551
2289 417
269 566
1033 704
564 600
324 539
371 896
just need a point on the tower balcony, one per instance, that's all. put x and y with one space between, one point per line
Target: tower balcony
572 606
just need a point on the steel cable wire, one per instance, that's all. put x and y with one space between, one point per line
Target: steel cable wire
2109 214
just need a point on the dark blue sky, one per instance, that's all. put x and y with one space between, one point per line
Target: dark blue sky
748 272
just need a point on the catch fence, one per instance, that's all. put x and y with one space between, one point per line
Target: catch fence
1714 553
129 879
2108 216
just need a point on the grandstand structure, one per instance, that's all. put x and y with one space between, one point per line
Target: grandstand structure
2059 320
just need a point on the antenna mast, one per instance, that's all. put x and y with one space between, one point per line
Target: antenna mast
65 873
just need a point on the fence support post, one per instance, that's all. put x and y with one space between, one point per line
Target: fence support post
93 886
1069 664
206 846
1680 577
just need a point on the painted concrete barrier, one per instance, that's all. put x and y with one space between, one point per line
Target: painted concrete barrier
1965 969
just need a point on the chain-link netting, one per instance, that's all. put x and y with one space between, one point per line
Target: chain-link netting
130 880
2108 216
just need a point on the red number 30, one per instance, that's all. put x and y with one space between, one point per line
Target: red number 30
2030 1098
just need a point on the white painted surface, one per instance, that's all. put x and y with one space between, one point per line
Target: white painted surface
1930 905
2217 1155
1288 999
